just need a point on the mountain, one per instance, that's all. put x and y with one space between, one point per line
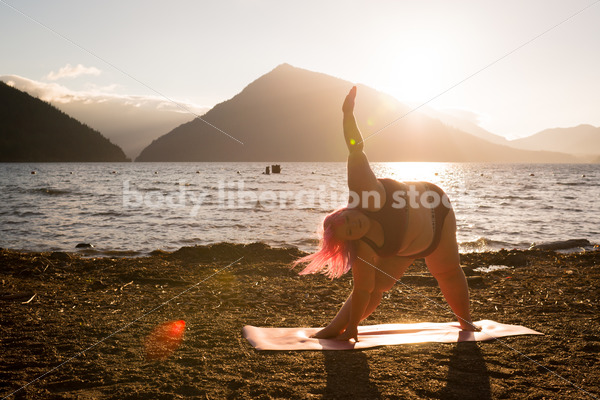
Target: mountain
34 131
581 140
128 124
292 114
129 121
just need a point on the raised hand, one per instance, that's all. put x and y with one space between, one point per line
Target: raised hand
348 106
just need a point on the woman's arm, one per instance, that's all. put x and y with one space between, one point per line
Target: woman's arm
363 275
361 179
354 139
337 324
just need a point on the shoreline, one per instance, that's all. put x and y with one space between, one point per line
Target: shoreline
56 305
478 246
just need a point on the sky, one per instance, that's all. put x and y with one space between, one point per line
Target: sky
482 58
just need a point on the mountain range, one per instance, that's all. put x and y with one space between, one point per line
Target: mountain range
582 140
292 114
288 114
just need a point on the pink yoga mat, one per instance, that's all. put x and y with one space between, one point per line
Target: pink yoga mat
379 335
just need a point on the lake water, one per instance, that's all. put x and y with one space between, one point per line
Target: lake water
134 208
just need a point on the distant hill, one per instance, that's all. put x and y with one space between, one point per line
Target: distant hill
462 120
581 140
291 114
34 131
131 122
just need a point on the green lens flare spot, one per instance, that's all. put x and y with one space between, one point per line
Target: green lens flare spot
352 142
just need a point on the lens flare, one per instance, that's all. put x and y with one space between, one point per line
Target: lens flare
164 340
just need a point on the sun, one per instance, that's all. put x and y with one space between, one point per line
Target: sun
412 72
416 75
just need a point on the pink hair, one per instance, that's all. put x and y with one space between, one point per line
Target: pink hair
334 257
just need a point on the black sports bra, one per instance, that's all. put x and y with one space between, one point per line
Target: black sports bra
392 217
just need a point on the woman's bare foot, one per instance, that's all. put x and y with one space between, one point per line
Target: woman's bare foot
349 333
326 333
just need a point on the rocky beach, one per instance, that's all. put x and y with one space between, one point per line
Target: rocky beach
73 327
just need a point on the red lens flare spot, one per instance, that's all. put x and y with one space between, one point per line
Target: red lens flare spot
164 340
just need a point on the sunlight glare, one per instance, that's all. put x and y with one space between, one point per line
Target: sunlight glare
164 340
418 75
412 171
413 71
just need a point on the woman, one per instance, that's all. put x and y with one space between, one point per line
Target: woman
387 225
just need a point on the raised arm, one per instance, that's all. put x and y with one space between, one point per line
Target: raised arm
361 178
354 139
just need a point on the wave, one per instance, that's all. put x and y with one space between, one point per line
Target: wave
108 214
231 188
150 189
22 214
492 268
194 240
11 222
512 197
484 244
50 191
573 184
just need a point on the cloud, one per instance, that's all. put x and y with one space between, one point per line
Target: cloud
94 94
68 71
130 121
45 91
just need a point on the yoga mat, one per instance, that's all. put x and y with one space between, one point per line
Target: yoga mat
379 335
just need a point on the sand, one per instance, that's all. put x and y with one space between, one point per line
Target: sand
82 322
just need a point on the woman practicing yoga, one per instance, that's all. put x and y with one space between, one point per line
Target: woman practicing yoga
385 227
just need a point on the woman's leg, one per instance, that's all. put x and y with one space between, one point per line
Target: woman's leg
389 270
444 265
340 321
373 304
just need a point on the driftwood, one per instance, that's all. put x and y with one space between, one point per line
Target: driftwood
29 301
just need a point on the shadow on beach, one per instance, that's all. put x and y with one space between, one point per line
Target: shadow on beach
348 376
468 377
